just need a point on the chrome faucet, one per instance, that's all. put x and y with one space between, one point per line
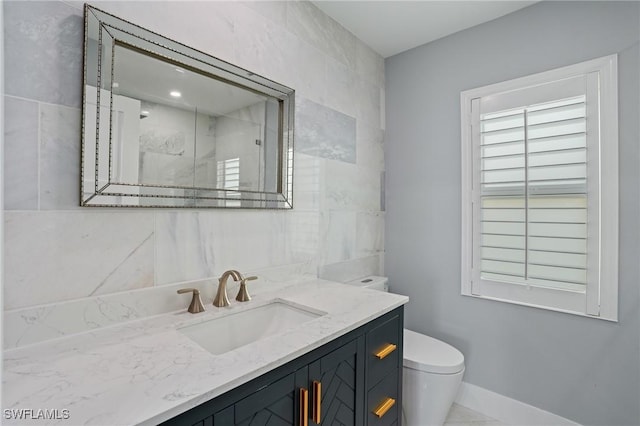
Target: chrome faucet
221 298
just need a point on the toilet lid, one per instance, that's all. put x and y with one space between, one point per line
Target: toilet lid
427 354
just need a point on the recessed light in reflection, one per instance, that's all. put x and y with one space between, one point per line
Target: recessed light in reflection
175 93
180 70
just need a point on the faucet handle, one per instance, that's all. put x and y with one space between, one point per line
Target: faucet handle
243 294
196 303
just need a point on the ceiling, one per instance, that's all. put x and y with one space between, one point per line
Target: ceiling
197 92
391 27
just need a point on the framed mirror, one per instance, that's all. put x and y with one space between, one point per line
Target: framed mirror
165 125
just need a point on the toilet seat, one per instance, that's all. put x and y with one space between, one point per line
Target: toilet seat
424 353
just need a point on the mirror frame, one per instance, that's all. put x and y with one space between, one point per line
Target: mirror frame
98 189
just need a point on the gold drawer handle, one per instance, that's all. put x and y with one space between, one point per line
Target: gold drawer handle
382 353
304 407
385 406
317 401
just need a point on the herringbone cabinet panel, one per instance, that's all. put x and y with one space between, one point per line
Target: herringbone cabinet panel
338 374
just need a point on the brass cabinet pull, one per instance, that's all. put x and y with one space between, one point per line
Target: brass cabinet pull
304 407
317 401
388 348
385 406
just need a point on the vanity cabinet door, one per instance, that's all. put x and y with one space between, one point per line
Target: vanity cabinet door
277 404
336 386
384 346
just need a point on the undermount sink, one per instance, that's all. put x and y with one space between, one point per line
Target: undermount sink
227 333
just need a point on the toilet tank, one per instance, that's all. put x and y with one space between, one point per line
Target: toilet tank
373 282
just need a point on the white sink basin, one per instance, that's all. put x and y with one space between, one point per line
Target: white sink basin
227 333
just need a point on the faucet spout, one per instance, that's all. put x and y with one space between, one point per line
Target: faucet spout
221 299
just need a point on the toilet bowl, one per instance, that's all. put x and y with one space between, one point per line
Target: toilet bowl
432 371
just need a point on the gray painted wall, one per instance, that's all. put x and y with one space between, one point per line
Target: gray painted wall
583 369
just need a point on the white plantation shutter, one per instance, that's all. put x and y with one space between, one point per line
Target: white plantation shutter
290 174
229 179
533 201
532 192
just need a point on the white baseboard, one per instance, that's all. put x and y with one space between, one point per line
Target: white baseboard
505 409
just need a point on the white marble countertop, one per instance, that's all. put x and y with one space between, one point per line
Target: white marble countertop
145 371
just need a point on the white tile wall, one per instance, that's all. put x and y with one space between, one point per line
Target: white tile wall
351 188
21 154
60 130
62 261
64 255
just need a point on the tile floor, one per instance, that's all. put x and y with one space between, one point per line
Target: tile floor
463 416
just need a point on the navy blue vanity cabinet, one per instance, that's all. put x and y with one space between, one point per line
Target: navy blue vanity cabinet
349 381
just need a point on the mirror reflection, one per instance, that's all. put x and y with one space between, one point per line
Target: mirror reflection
174 132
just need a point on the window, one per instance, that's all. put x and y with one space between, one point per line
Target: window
229 179
290 174
540 190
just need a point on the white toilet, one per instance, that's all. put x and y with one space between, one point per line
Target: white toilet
432 371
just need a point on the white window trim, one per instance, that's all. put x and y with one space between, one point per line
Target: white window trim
601 302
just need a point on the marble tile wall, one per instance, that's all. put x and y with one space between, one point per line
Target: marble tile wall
63 263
